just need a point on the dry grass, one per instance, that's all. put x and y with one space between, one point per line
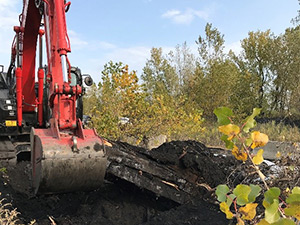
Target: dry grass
8 216
280 132
211 135
276 132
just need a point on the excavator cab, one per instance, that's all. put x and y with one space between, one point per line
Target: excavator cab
8 116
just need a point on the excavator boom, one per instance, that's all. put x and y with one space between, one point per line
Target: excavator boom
65 156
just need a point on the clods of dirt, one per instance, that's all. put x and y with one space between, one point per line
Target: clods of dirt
121 202
211 168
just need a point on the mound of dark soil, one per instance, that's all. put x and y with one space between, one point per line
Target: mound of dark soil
210 167
121 202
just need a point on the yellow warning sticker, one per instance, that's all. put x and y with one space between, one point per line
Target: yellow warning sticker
11 123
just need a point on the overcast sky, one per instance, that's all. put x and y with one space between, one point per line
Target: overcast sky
125 31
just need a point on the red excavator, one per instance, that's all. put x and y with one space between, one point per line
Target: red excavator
41 106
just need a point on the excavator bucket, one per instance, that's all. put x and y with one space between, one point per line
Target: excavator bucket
65 162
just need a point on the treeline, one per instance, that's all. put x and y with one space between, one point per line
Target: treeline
178 90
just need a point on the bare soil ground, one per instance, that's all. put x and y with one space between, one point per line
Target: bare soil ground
121 202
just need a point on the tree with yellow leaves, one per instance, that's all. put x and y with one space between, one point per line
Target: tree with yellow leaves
124 108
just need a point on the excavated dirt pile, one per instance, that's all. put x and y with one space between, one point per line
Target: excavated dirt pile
172 184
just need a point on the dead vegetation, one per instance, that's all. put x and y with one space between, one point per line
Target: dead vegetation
8 215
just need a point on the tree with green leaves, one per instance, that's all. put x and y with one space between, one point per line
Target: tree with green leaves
184 63
215 76
159 76
255 60
285 66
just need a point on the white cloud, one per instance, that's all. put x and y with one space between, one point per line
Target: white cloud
76 41
135 57
171 13
235 47
7 3
9 17
185 17
105 45
91 62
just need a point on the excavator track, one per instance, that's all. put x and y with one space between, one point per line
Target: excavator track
14 148
22 147
8 153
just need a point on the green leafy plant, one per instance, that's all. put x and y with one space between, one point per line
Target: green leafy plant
3 170
240 203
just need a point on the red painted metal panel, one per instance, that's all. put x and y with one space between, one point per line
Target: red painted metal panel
31 29
40 94
19 95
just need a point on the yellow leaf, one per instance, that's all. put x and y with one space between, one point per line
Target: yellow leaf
258 159
258 139
239 154
107 143
230 130
263 222
240 221
225 209
278 154
248 211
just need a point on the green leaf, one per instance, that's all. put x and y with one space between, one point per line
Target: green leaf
223 114
271 213
263 222
284 222
293 210
3 170
230 199
255 191
250 121
296 190
248 142
228 144
293 198
221 192
242 192
271 195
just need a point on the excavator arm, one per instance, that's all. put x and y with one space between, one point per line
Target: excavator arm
65 156
51 15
